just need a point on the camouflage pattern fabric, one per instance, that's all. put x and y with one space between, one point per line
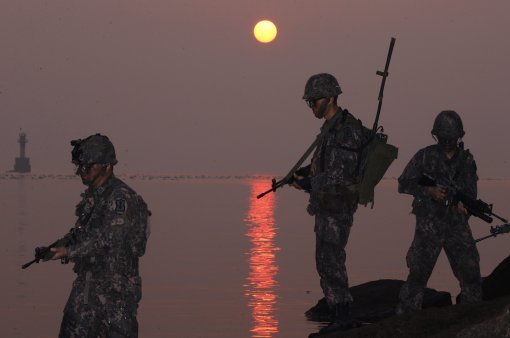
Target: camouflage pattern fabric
333 169
334 165
105 295
332 233
440 225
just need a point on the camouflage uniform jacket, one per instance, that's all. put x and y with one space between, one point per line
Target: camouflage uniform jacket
460 170
336 165
110 235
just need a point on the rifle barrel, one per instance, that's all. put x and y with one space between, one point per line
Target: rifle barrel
264 193
274 186
497 230
37 259
26 265
384 75
485 237
499 217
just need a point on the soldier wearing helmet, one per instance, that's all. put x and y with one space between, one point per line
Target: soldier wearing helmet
441 222
448 129
319 90
334 168
105 244
94 158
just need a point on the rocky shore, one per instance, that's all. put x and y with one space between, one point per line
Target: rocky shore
375 303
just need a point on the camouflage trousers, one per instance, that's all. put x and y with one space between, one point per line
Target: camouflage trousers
91 312
331 234
432 235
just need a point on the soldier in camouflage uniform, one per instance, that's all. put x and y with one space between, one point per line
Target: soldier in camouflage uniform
334 169
440 221
109 237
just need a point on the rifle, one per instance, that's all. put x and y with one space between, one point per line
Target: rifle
44 252
289 178
477 208
41 252
384 75
496 230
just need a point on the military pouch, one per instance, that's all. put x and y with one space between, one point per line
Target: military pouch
379 156
376 157
337 199
419 207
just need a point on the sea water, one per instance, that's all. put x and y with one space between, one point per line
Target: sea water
219 262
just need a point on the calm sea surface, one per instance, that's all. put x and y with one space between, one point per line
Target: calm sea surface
219 263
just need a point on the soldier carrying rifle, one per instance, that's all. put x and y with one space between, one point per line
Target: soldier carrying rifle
105 245
334 167
348 161
441 219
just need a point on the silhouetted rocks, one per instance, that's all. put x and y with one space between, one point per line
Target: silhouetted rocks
492 327
484 319
377 300
497 284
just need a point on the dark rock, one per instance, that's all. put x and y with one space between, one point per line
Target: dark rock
489 318
497 284
463 321
377 300
490 328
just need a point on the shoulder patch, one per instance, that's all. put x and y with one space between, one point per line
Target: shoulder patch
120 206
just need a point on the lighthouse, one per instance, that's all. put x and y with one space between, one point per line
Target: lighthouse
22 163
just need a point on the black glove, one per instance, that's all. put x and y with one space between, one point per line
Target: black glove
44 253
304 183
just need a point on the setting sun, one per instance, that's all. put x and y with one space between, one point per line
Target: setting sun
265 31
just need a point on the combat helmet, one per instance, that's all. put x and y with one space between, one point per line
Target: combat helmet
321 85
94 149
448 125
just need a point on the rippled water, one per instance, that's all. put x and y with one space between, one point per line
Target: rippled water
220 263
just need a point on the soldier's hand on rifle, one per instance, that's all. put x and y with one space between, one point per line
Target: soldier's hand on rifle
60 252
44 253
295 181
437 193
461 208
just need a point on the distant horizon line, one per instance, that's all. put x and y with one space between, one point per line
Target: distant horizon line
169 176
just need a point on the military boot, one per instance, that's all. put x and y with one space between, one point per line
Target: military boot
343 320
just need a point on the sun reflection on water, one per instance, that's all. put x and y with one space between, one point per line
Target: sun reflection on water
261 285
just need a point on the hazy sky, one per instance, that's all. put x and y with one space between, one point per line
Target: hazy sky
183 87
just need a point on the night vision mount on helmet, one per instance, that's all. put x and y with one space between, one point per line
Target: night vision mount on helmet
94 149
